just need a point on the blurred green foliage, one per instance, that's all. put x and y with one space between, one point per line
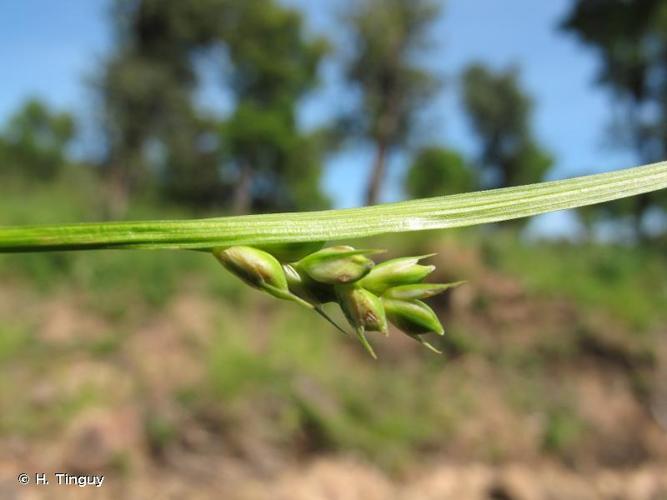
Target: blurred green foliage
629 39
257 158
437 171
273 65
628 282
34 142
500 114
388 36
145 88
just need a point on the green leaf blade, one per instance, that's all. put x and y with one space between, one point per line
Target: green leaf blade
333 225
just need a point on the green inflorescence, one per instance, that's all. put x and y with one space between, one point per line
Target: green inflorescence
369 295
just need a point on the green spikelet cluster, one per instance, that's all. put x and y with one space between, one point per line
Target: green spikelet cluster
369 295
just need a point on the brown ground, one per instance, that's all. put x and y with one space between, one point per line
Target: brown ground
496 453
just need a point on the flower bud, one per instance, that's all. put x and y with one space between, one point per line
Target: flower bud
362 308
418 291
395 272
412 317
336 265
364 311
258 269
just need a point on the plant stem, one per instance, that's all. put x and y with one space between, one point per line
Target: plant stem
331 225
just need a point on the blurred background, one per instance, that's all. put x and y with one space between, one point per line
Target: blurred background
166 374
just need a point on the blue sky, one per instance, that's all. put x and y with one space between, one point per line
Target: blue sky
50 49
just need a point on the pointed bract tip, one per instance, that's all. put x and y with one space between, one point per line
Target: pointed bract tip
418 291
336 265
361 335
428 345
395 272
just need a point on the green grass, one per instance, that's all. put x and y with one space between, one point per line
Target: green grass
13 341
320 393
563 429
628 283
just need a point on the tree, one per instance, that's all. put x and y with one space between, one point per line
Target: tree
500 113
35 140
146 88
388 37
273 65
630 38
256 157
438 171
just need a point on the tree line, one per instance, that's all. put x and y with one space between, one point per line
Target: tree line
258 158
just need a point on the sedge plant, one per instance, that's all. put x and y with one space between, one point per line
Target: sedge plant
285 255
